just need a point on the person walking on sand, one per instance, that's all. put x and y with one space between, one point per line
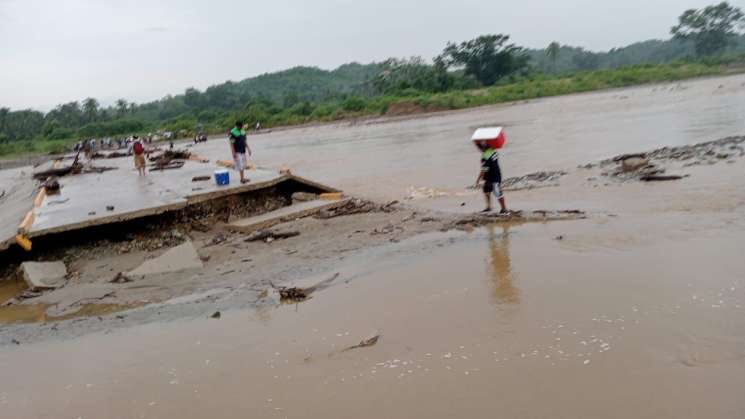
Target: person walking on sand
238 148
138 150
491 175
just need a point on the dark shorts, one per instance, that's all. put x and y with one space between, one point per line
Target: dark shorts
495 187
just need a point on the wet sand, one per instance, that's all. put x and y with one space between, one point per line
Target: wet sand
636 311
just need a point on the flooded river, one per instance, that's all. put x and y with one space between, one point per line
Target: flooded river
637 311
385 160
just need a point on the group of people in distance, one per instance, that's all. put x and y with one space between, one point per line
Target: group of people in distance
238 148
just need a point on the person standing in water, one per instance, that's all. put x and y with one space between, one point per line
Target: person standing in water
491 175
238 148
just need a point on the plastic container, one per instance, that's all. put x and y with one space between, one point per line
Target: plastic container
494 136
222 177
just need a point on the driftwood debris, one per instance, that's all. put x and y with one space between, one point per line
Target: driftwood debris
93 169
200 178
167 166
169 159
297 294
357 206
120 278
623 157
73 169
169 155
660 178
293 294
365 343
51 185
270 236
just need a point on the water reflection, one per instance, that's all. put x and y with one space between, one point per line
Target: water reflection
500 266
10 289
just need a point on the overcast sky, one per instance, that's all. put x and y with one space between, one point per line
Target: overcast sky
53 51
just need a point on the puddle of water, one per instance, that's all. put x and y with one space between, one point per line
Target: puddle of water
36 313
10 288
33 313
23 314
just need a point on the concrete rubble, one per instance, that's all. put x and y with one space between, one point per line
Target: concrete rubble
177 259
42 276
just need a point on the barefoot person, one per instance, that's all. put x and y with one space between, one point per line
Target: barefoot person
238 148
491 175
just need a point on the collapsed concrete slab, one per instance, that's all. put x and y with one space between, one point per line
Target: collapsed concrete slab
292 212
87 201
17 191
178 259
41 276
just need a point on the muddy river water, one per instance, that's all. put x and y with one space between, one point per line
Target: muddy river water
637 311
504 320
387 160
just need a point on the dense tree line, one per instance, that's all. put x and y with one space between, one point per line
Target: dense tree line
306 93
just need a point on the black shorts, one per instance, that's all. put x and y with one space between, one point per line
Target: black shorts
495 187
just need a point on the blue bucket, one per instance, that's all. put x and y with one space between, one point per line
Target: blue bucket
222 177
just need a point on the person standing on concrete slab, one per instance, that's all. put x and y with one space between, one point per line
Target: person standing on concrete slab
491 175
88 150
238 148
139 153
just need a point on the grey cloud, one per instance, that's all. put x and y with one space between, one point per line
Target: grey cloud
56 51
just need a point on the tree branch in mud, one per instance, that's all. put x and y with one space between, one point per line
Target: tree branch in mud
357 206
270 236
364 343
297 294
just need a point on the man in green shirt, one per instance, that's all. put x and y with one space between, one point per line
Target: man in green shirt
238 148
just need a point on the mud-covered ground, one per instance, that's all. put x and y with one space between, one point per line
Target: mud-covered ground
98 297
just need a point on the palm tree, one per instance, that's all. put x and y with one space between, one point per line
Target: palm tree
552 52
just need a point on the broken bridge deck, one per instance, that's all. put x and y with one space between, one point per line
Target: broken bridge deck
17 191
93 199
